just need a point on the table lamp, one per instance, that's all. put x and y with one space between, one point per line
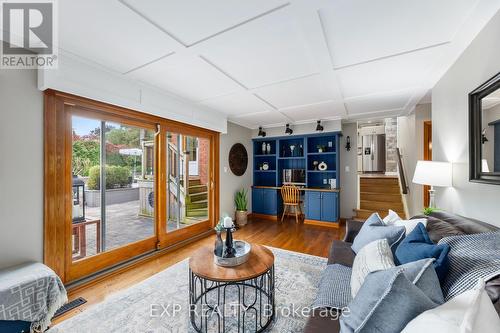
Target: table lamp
434 174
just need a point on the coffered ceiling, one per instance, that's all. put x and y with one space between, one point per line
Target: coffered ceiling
271 62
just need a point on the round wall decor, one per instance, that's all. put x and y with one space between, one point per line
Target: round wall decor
322 166
238 159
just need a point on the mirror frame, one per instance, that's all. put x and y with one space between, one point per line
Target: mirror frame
475 129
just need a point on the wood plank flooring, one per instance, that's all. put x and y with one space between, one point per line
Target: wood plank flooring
286 235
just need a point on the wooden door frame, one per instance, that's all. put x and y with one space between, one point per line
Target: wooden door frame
427 155
58 109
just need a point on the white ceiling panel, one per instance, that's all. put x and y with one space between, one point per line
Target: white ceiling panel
362 30
265 51
325 110
194 20
307 90
110 34
254 120
381 102
238 104
187 76
390 74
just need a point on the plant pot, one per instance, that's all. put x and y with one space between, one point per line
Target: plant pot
241 217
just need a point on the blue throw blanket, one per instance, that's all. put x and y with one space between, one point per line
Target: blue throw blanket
31 292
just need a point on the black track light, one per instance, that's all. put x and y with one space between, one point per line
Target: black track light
261 132
288 130
319 127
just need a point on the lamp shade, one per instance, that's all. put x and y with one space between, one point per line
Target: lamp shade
433 173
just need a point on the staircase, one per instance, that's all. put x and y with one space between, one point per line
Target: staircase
379 194
197 199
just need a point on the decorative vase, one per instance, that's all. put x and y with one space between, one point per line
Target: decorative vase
263 148
268 148
315 165
229 250
219 245
241 217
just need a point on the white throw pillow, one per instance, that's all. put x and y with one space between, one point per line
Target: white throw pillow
374 256
469 312
393 218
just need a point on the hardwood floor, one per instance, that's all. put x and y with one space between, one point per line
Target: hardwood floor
286 235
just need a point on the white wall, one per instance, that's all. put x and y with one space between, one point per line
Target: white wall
300 129
21 168
411 144
230 183
348 179
479 62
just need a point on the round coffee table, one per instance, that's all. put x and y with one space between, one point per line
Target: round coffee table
231 299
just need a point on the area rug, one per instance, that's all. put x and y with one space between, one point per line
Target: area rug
150 305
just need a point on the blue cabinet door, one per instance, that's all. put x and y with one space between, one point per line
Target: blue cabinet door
329 206
257 201
313 205
270 201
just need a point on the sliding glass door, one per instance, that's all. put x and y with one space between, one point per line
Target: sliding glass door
120 184
113 176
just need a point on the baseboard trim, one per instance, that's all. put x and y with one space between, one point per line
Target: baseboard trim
334 225
264 216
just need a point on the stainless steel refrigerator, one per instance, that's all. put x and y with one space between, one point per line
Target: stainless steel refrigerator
374 153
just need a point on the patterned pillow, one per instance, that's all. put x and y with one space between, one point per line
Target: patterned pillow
471 257
376 256
334 287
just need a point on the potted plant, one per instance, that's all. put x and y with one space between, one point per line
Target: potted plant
240 201
321 148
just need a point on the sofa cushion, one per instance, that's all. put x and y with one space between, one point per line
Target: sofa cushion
468 312
386 302
334 290
341 253
417 245
374 228
376 256
471 257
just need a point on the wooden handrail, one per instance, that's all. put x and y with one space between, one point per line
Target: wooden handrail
401 172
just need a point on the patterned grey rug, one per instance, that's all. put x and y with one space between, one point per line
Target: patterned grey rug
160 303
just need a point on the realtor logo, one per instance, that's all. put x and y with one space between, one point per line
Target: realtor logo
29 34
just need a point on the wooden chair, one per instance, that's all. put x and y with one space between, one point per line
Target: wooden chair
291 198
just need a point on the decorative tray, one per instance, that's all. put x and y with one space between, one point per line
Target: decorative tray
242 254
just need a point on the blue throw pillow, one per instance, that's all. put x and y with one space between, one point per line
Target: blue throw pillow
386 302
418 245
373 229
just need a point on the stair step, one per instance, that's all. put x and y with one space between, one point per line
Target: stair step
197 212
379 181
197 189
381 205
195 181
197 204
385 197
379 189
197 197
363 214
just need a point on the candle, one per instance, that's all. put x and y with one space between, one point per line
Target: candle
228 222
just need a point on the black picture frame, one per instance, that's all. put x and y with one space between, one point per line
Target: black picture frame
475 132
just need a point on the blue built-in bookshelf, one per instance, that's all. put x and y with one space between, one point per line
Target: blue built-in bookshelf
307 152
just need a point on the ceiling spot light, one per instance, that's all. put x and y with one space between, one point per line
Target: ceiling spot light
319 127
288 130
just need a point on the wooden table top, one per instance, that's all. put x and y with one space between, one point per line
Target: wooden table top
315 189
202 264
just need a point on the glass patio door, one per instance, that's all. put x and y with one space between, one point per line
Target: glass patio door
113 189
187 186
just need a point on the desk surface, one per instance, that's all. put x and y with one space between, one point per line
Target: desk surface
302 188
